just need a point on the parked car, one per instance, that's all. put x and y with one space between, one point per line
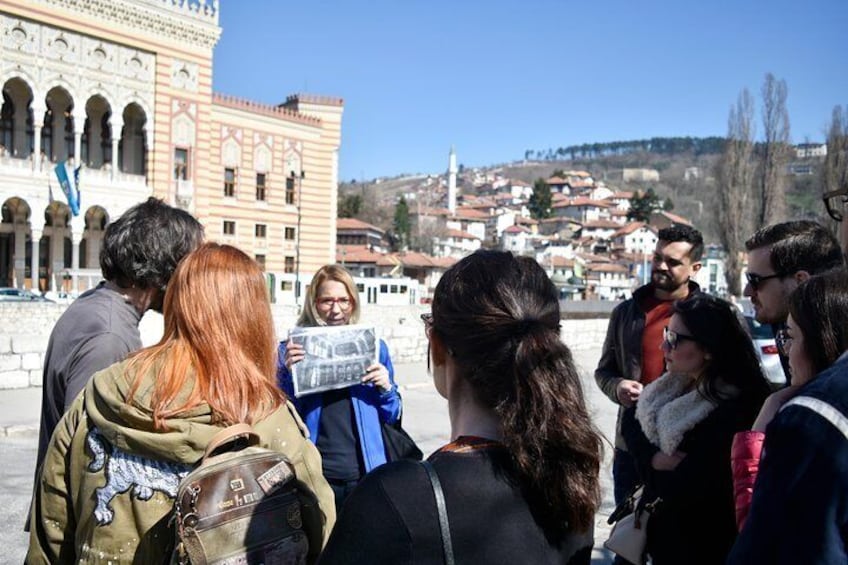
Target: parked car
8 294
766 347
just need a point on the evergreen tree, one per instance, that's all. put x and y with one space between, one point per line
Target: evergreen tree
644 204
401 225
540 200
350 205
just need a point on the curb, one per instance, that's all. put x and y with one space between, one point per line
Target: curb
19 430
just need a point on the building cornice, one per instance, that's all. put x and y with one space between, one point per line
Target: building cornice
313 99
178 20
260 108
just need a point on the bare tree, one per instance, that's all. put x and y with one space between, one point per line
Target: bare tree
734 175
776 152
835 170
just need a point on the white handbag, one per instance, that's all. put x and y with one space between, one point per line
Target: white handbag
629 536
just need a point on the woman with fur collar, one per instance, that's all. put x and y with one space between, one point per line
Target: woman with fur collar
681 429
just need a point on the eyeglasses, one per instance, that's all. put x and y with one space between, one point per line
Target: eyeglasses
783 341
756 280
673 339
328 303
834 201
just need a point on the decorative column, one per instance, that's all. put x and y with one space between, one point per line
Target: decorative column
36 240
117 125
77 229
79 126
20 254
56 254
36 148
37 118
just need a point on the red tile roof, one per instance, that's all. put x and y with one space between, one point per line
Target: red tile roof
354 224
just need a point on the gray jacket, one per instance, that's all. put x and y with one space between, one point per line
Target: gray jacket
621 357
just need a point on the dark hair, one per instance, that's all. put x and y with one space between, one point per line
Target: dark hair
801 245
498 317
688 234
143 246
819 306
717 327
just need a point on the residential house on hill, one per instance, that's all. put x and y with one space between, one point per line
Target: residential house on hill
599 229
558 185
353 232
636 237
516 239
666 219
608 281
580 208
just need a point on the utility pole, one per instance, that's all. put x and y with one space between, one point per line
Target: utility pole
295 178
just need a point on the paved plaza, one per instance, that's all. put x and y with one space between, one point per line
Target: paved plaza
425 417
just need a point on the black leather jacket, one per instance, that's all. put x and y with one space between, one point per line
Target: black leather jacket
621 357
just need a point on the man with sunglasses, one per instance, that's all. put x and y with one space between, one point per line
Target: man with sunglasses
631 355
780 257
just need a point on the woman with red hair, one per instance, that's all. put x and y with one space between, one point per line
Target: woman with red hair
107 487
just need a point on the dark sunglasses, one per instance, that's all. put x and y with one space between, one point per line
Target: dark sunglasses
834 202
783 341
756 280
673 339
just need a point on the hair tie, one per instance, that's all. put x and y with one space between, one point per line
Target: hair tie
527 326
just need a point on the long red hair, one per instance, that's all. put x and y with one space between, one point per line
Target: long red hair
219 334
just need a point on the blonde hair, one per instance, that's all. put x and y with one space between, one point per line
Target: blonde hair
337 273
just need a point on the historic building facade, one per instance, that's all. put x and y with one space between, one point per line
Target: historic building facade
121 90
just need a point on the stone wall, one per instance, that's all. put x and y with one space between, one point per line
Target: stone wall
25 329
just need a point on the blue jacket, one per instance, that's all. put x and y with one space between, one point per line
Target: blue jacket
370 407
799 510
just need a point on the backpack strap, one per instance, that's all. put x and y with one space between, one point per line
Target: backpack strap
827 411
441 509
230 434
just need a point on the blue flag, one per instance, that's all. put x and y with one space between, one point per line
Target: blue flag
71 194
76 185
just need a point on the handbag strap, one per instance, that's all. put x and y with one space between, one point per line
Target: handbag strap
441 508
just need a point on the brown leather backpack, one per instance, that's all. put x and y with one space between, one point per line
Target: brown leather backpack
244 504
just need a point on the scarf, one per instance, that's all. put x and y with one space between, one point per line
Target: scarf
665 411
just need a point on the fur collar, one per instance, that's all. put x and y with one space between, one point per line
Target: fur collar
666 412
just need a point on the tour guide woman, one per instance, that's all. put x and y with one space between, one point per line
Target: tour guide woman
107 488
520 477
345 424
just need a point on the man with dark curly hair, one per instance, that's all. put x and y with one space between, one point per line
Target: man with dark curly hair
140 251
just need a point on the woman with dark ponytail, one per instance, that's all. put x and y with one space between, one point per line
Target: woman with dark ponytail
520 476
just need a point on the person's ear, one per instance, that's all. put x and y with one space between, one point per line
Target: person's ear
696 266
801 276
437 349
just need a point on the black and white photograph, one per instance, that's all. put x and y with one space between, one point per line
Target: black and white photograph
336 357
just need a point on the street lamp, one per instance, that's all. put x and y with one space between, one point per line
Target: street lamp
295 178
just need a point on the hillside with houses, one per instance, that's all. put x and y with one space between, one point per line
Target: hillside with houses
588 241
588 246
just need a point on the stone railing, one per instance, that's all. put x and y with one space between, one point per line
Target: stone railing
26 330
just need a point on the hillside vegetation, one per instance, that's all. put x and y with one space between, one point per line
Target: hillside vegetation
694 198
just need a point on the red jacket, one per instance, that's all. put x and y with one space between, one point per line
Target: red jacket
745 462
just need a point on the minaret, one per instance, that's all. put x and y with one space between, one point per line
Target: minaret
452 181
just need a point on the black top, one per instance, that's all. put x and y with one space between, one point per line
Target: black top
336 439
391 516
695 523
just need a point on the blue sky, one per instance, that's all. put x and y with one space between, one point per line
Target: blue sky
497 77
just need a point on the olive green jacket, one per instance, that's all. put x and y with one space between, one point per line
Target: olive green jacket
108 482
